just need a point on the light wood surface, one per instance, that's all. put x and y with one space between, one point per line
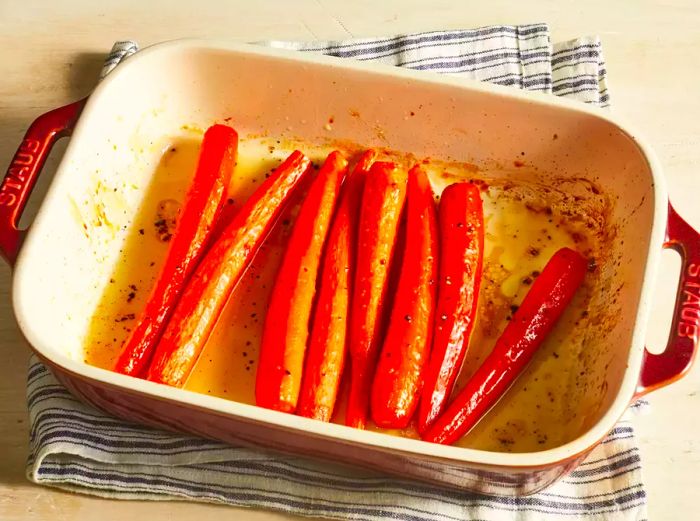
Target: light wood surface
52 52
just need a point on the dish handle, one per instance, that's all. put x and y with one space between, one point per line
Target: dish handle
25 168
667 367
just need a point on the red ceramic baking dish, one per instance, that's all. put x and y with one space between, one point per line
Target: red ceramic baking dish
577 162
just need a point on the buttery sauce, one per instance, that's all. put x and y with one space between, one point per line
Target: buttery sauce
525 225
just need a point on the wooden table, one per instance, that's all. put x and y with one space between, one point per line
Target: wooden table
51 55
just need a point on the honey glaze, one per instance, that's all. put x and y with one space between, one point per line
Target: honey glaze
525 224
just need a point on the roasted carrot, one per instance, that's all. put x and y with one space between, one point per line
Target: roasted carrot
325 359
398 378
382 204
219 272
286 330
543 305
200 208
461 224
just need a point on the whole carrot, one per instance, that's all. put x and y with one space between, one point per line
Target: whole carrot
195 223
325 359
398 378
220 270
382 204
543 305
286 331
461 223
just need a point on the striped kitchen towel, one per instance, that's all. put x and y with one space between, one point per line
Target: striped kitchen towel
75 447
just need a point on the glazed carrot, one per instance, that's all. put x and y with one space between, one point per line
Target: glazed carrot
461 223
325 359
543 305
399 375
201 206
218 273
286 330
382 205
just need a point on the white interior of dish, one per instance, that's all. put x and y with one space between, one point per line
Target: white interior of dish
61 271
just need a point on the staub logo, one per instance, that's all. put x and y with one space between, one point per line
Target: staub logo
690 306
19 171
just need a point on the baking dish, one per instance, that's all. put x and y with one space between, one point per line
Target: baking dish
59 270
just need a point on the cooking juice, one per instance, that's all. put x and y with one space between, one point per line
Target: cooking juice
525 223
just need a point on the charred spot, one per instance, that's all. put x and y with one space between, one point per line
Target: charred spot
592 266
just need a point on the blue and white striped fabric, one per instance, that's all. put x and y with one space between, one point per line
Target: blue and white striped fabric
78 448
